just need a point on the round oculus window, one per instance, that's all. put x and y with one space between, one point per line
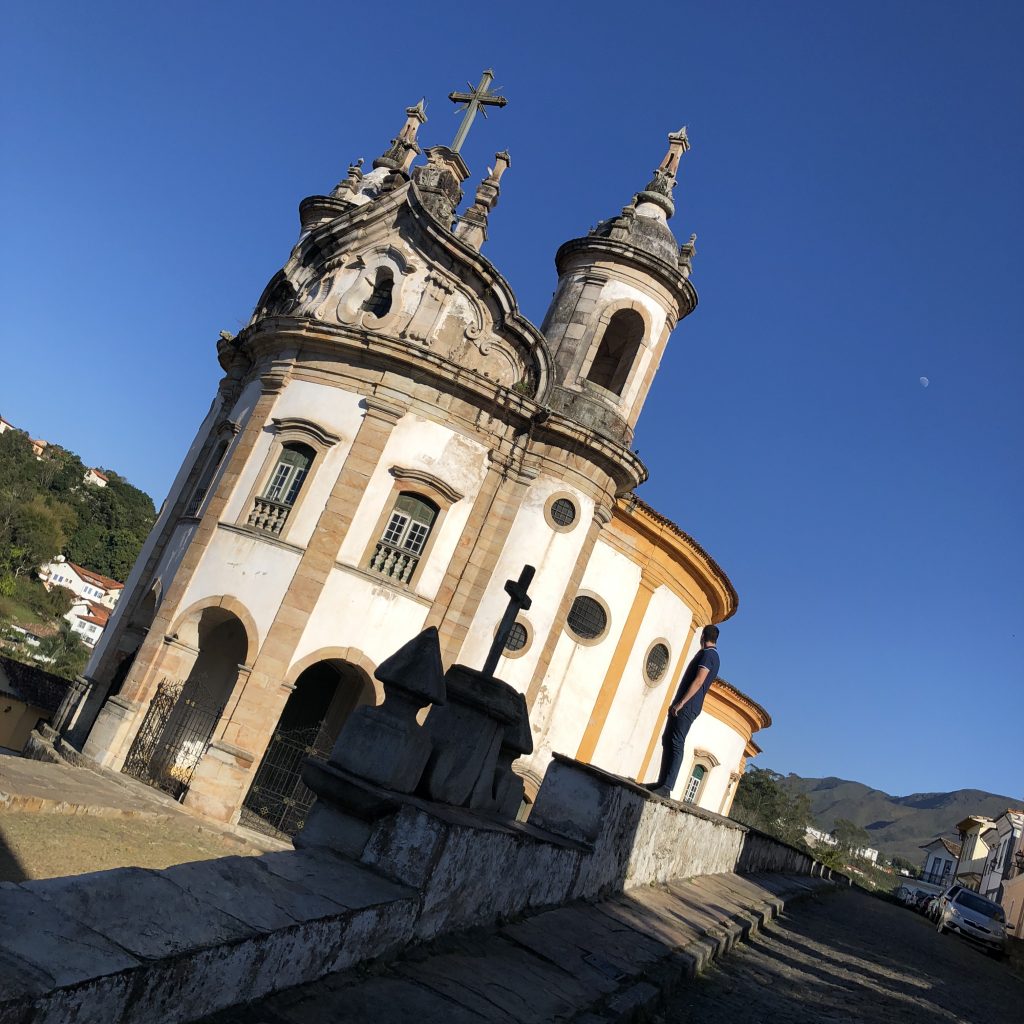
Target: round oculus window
517 637
587 619
657 662
563 512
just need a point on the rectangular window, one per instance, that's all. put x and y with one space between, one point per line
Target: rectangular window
278 482
395 527
416 538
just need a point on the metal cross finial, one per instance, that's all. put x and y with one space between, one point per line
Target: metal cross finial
518 601
476 99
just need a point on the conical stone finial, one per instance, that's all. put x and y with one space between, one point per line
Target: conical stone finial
472 226
404 148
659 188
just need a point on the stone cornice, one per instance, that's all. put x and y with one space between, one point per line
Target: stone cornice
420 476
363 348
666 536
668 277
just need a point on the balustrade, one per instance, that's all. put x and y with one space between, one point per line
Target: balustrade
269 515
393 562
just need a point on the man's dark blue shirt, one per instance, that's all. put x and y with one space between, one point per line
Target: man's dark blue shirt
706 658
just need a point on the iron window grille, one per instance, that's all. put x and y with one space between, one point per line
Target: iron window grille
517 637
587 619
657 662
563 512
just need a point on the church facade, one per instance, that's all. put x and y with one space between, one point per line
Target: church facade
390 442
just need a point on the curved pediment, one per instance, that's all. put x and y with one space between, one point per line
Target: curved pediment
389 267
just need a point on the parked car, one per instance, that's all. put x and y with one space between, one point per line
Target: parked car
974 917
932 908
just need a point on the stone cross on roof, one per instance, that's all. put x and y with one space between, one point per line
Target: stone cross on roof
477 99
518 601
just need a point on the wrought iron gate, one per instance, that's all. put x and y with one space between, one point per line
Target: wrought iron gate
278 801
174 736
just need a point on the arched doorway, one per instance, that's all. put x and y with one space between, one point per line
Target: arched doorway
325 694
183 713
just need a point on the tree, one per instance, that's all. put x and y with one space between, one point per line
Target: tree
763 803
64 653
849 837
902 864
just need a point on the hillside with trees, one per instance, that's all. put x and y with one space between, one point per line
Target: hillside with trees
47 509
895 825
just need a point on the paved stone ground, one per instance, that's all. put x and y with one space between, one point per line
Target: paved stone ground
846 957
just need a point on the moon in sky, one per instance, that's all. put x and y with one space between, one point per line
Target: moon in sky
924 381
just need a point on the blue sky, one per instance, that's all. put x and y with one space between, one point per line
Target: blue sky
855 183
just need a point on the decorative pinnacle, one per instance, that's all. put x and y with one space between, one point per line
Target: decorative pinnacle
404 148
659 188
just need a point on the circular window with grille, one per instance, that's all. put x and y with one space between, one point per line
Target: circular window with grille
561 512
517 637
588 619
656 662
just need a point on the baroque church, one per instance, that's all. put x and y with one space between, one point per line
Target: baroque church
391 441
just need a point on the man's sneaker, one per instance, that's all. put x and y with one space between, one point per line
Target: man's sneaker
662 791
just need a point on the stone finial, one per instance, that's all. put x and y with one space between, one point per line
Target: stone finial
438 183
404 147
350 185
659 189
386 745
472 226
686 253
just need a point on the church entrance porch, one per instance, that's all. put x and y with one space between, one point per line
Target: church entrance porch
174 736
325 694
183 714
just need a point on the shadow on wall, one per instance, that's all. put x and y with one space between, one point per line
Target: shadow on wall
11 867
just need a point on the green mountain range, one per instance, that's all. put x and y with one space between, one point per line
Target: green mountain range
897 825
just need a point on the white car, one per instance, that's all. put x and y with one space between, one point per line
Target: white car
974 917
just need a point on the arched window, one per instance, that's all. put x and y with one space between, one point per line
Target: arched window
379 301
617 351
196 501
289 473
693 784
405 536
271 509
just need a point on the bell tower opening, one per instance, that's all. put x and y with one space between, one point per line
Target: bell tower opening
617 352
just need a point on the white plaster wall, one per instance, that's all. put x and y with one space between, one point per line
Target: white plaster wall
417 443
636 710
531 541
566 698
708 733
354 612
247 568
337 411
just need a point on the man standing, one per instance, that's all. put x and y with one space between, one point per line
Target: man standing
697 679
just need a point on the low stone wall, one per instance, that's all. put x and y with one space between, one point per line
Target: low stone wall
162 947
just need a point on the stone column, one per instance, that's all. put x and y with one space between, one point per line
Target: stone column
109 741
219 787
602 516
476 556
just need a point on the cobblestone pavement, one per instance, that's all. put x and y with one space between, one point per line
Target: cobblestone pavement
847 958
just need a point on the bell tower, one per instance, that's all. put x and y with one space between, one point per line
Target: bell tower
621 291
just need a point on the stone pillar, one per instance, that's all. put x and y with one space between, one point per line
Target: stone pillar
144 677
248 726
602 516
480 546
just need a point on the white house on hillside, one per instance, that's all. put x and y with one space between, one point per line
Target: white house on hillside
82 582
816 836
940 857
88 620
96 477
